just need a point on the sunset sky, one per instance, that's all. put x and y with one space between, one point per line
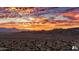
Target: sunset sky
39 18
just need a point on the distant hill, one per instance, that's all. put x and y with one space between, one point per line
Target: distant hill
8 30
53 34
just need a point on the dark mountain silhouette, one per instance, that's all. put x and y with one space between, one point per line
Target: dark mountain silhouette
53 34
8 30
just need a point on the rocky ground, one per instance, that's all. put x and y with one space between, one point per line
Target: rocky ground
37 45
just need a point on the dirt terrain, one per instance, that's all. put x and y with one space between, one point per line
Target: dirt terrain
54 40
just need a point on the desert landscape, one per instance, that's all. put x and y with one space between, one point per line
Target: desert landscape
56 40
39 28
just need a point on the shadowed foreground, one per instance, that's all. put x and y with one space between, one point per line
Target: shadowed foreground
56 40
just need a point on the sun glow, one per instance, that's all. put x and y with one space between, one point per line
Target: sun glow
40 25
37 23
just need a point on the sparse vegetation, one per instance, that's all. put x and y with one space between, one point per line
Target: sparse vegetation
55 40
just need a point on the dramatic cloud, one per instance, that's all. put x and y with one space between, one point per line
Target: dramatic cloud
39 18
